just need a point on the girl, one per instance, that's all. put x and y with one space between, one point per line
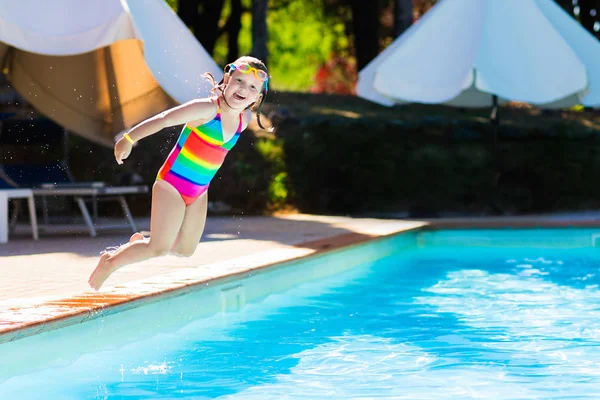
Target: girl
179 195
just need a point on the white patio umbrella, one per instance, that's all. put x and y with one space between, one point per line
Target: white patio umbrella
469 53
99 67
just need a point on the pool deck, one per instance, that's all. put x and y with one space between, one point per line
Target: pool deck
43 284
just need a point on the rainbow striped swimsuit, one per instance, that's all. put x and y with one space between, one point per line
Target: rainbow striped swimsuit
196 158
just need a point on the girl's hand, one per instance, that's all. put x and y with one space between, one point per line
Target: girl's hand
122 150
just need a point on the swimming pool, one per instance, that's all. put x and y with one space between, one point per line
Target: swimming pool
441 314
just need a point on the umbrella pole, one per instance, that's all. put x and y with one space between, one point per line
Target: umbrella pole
495 121
496 161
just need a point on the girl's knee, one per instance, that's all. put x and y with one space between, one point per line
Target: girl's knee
158 250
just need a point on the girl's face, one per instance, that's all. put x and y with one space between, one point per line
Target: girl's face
242 89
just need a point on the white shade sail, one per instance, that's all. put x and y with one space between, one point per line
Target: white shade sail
98 67
464 51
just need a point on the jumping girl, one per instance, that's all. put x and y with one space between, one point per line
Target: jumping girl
179 195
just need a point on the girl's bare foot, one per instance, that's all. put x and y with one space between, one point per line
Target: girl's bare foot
104 268
101 273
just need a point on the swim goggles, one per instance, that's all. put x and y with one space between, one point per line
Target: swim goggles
245 68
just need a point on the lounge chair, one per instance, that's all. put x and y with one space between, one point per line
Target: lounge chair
8 191
54 178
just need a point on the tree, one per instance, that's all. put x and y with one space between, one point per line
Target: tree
403 16
420 7
202 16
259 29
233 27
365 24
187 10
567 5
303 38
587 16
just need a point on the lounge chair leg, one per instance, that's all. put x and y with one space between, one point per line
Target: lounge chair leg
95 208
86 216
15 214
33 218
3 218
45 210
127 213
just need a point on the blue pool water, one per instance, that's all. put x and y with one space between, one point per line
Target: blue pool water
459 315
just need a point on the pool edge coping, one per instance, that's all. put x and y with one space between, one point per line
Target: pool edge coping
58 313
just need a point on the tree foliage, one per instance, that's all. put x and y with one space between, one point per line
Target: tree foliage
313 41
302 37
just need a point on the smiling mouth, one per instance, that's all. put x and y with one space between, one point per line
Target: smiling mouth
238 97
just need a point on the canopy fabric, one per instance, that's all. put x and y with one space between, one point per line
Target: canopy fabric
584 44
464 51
98 68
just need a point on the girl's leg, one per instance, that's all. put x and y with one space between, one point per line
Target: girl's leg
166 218
192 227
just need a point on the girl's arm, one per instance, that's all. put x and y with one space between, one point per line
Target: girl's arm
190 111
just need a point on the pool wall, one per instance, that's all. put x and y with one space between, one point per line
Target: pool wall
556 237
